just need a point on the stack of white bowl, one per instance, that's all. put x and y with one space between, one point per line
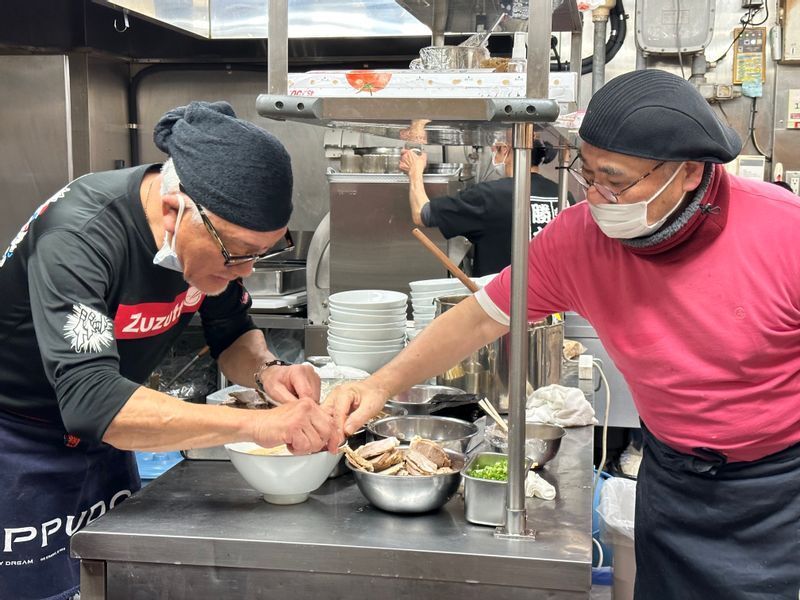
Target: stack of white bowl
425 291
366 328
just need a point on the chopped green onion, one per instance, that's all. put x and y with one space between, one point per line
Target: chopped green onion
497 471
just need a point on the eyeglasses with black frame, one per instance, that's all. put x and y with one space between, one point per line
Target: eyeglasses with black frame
231 260
607 193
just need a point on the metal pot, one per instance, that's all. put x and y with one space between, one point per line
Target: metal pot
485 372
351 163
373 163
393 163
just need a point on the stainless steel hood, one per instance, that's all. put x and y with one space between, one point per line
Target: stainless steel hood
247 19
467 16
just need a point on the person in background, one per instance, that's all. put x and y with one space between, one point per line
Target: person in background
483 212
688 276
784 185
97 286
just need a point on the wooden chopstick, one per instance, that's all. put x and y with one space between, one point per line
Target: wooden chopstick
495 416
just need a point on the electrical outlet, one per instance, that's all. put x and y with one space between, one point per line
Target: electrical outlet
752 3
585 366
793 179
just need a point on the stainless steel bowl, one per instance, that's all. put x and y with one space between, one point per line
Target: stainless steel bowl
410 494
542 441
417 400
453 434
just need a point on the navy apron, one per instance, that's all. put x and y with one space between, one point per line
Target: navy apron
52 485
706 529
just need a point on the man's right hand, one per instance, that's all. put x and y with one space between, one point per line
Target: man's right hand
304 426
353 404
413 163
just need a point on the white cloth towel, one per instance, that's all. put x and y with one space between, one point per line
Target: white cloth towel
561 405
536 486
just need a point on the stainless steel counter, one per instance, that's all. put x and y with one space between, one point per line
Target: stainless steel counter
200 531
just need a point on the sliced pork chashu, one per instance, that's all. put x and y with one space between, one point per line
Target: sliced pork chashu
419 463
378 447
431 450
387 459
357 461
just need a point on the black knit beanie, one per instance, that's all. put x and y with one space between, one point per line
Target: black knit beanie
237 170
657 115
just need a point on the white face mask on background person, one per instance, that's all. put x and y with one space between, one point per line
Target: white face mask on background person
627 221
500 167
166 256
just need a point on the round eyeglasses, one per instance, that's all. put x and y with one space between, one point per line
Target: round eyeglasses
238 259
607 193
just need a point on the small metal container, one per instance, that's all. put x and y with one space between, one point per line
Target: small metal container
453 434
485 499
410 494
275 281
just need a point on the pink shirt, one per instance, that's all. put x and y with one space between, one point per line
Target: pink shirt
706 332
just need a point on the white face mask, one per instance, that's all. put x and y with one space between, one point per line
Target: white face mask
627 221
166 256
500 167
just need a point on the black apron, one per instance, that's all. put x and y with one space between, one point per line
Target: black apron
709 530
52 485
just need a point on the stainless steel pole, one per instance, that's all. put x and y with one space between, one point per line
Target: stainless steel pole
440 9
599 61
540 18
278 47
516 522
576 61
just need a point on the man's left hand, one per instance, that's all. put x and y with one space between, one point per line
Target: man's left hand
291 382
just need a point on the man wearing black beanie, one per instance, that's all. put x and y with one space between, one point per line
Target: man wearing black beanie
689 277
97 286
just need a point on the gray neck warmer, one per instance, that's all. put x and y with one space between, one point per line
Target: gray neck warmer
665 233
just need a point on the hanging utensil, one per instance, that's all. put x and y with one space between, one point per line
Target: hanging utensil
443 258
203 351
481 39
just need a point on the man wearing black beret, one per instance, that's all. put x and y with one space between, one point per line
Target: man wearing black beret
690 277
97 286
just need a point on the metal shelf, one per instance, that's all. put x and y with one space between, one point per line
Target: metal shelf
456 121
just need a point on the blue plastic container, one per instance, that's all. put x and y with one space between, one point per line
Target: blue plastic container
153 464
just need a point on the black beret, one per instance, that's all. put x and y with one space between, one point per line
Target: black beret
237 170
657 115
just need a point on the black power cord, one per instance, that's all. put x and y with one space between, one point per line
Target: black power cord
746 21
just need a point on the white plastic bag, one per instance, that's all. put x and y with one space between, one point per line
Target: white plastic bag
617 506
